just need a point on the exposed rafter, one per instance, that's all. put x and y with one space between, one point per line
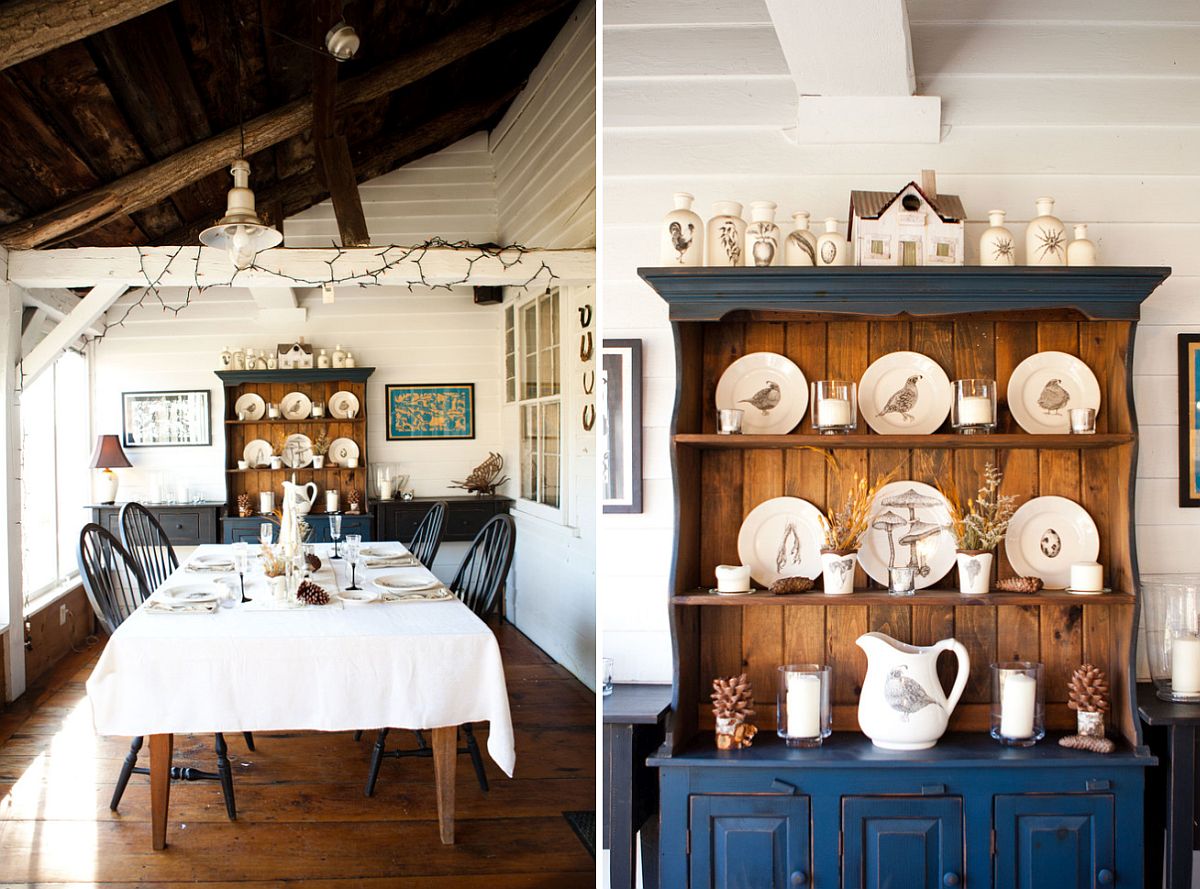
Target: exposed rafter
29 28
57 305
90 309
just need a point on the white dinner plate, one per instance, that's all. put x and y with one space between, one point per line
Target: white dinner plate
341 450
917 514
296 406
1046 535
1045 386
406 583
769 388
297 451
343 405
375 549
781 537
191 594
904 393
257 453
253 406
358 597
211 562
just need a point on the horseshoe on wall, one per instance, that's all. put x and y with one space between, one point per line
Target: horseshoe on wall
589 417
589 381
585 316
585 346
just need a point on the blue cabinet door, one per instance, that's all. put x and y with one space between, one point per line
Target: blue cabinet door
1054 841
902 842
749 842
239 529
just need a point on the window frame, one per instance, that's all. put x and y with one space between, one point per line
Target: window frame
539 401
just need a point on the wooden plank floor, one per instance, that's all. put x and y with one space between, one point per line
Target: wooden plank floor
302 816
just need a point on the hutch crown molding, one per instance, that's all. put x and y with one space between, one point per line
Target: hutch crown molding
967 810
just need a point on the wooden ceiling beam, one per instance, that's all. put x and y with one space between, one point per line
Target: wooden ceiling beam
29 28
158 181
56 305
90 310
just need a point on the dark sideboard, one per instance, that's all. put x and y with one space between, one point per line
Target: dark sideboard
186 524
465 515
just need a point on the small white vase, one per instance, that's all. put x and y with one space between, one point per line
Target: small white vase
1046 237
725 235
837 572
762 236
974 573
1081 251
996 244
318 461
682 240
800 248
832 248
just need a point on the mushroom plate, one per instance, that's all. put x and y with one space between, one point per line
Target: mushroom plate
910 525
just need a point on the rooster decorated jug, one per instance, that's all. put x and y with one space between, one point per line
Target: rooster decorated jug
902 705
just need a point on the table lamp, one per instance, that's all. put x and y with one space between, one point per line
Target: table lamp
109 456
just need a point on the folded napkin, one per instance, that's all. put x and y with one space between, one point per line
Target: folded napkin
155 606
397 561
433 594
213 567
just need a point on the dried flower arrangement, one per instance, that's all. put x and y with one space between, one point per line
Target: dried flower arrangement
320 447
273 563
982 523
845 527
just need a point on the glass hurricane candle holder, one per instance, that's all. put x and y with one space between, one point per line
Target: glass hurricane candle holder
834 407
1018 703
902 581
803 704
1172 625
1083 420
973 408
729 421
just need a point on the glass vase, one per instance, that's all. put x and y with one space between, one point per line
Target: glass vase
803 704
1018 703
1172 625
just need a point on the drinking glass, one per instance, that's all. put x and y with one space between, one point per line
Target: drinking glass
353 552
335 532
606 686
241 560
266 533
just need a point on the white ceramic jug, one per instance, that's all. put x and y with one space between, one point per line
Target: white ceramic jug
902 705
303 496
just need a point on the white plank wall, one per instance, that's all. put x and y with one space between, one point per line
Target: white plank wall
544 151
1095 103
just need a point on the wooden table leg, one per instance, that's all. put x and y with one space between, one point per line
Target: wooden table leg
622 838
1181 806
161 749
445 755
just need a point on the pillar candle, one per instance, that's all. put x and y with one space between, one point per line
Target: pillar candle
1087 576
1018 697
733 578
833 412
1185 665
803 705
975 411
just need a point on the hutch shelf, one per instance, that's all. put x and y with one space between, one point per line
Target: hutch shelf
968 811
319 384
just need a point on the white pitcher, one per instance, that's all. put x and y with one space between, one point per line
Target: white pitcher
303 496
902 705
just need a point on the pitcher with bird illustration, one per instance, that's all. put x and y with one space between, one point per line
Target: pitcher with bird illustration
902 705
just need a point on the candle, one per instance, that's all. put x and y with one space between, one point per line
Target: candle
975 411
1087 577
273 411
266 502
733 579
1018 697
803 705
331 501
833 412
1185 665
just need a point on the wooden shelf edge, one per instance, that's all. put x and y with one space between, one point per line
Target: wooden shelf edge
300 469
1008 440
311 421
922 597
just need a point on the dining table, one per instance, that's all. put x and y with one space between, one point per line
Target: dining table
374 658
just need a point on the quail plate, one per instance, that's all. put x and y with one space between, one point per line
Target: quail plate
343 405
1045 386
1046 535
770 390
252 405
781 537
909 525
295 406
904 393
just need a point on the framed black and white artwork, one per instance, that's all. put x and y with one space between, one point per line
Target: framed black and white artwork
175 419
621 425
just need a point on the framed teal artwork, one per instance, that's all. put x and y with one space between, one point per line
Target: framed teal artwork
425 412
1189 419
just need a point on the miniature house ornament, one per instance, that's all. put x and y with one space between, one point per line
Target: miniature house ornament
832 248
1046 237
725 235
996 244
800 248
682 239
913 226
762 236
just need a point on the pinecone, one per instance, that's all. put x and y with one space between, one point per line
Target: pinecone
243 503
313 561
1080 742
787 585
733 698
1020 584
353 501
1088 690
311 594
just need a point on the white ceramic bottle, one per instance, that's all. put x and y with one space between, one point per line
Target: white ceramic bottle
339 357
996 244
800 248
323 359
682 241
762 236
1081 251
1046 237
226 358
832 248
725 235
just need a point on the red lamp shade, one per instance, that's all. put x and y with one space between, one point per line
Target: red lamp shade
108 453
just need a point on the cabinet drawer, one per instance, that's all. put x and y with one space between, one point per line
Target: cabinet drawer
920 837
1054 841
182 526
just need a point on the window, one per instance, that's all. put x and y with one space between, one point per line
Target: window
55 480
510 355
943 249
877 248
541 401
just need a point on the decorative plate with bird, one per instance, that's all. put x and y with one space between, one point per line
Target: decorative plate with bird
769 389
1045 387
1046 535
781 537
904 393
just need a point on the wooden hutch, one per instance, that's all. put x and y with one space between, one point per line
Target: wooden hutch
319 384
968 811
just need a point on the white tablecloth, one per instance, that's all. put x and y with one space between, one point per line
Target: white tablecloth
414 665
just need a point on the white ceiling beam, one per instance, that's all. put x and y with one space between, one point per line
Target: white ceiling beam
278 306
56 304
33 328
307 267
90 309
851 61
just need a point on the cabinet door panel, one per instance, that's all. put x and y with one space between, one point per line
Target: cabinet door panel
1047 841
749 842
901 842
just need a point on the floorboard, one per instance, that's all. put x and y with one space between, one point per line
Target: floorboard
302 816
